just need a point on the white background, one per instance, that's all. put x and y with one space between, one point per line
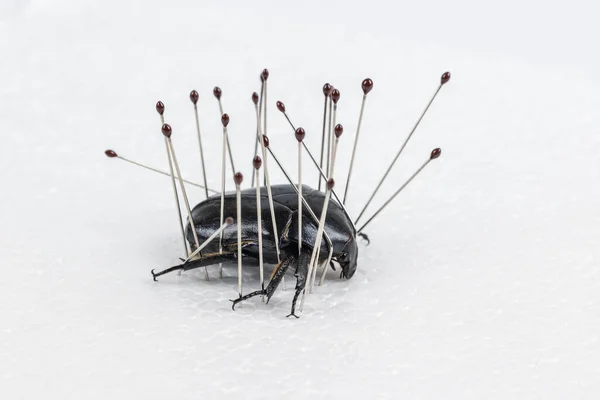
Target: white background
481 280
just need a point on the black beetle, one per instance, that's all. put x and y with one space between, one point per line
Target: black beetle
338 227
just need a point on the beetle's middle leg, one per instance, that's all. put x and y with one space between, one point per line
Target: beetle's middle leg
204 261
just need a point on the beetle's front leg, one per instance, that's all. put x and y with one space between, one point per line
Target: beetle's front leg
301 277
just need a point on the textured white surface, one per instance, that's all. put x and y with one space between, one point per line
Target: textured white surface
481 280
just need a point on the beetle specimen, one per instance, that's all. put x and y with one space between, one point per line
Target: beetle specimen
292 226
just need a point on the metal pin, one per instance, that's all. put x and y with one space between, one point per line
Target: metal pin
319 238
300 133
255 99
238 178
435 153
225 122
228 221
194 98
327 88
160 108
217 93
367 86
257 162
167 131
264 77
444 79
112 154
329 135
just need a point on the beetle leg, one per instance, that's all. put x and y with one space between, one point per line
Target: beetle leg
301 276
276 276
206 260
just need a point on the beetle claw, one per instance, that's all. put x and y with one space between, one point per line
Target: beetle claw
153 275
289 315
364 236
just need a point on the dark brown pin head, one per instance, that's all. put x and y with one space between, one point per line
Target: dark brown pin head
217 92
257 162
265 140
255 98
194 96
339 129
166 130
367 86
335 95
225 120
110 154
264 75
281 106
238 178
330 184
300 133
435 153
160 107
229 220
445 78
327 89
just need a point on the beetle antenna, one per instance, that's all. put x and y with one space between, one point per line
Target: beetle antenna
435 153
257 162
112 154
443 80
300 133
217 92
194 98
367 86
327 88
314 256
228 221
258 109
167 131
281 108
238 178
160 108
224 122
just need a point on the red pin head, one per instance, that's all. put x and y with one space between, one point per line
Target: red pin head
367 85
255 98
435 153
335 95
166 130
445 78
265 140
160 107
327 88
330 184
225 120
229 220
257 162
300 134
194 96
281 106
110 154
264 75
339 129
238 178
217 92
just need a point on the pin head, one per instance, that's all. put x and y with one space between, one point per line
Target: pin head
327 88
330 184
166 130
257 162
217 92
445 78
229 220
225 120
367 85
194 96
264 75
281 106
255 98
265 140
300 133
339 129
335 95
160 107
110 154
238 178
435 153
